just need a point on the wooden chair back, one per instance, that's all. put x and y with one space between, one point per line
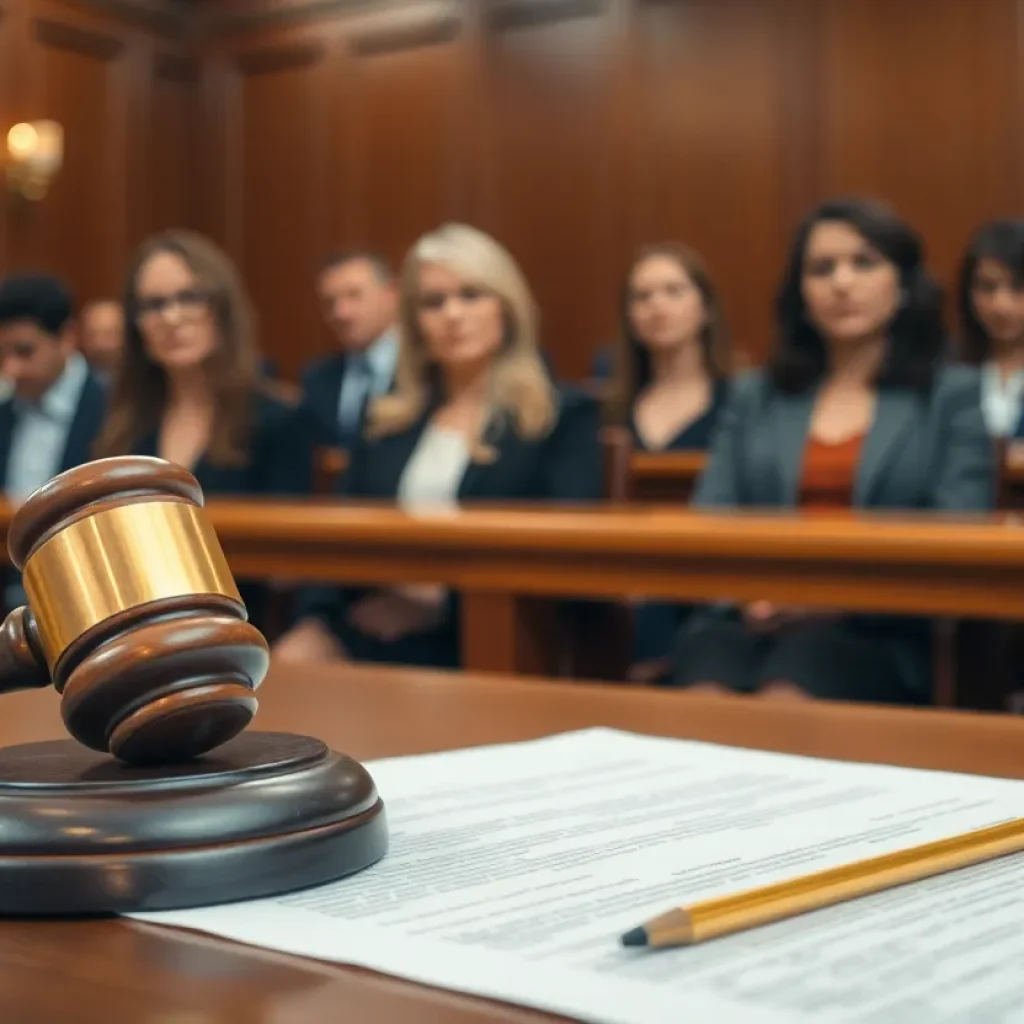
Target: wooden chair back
617 449
328 465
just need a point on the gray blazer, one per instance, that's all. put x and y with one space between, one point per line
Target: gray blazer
928 451
924 451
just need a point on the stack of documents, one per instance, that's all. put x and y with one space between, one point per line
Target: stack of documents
514 869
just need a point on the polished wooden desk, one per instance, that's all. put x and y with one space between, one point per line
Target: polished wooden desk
101 971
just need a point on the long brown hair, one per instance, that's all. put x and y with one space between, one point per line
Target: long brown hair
631 372
1003 242
140 394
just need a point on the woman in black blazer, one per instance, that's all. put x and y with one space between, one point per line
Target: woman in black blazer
671 370
473 417
857 409
669 385
191 388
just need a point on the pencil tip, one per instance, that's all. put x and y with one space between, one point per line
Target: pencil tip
636 937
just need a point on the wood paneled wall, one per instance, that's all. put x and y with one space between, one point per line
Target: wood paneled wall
572 129
577 129
125 83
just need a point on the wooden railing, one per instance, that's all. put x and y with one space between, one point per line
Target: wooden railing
966 566
669 477
513 564
509 563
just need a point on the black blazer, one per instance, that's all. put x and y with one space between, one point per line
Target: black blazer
85 427
565 467
321 390
281 460
696 435
281 464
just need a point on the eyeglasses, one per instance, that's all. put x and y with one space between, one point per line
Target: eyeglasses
191 303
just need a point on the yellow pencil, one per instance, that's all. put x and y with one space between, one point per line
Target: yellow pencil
710 919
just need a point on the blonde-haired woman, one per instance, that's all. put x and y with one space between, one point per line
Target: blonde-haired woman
473 416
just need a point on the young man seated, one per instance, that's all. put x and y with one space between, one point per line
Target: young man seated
54 404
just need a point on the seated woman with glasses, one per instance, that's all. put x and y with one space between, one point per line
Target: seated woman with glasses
191 389
473 417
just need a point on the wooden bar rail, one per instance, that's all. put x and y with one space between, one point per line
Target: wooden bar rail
510 563
965 566
971 566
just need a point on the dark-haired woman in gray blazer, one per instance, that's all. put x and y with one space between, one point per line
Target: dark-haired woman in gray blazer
855 410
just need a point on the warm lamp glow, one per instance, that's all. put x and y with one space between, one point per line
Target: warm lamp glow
35 153
22 140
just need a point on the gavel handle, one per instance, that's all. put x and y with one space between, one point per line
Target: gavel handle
21 662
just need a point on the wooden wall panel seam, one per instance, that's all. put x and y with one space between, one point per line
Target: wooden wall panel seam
64 36
802 119
278 15
162 17
273 59
1017 121
175 68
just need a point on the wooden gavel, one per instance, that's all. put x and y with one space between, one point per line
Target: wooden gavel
133 613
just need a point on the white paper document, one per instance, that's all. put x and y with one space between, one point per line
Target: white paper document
514 869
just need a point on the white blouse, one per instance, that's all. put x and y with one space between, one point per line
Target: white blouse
1001 401
434 472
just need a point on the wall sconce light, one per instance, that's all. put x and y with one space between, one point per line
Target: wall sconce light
35 153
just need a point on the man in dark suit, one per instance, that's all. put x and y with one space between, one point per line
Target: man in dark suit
101 336
359 301
55 405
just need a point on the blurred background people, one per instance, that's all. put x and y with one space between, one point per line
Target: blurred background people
669 384
191 388
474 416
991 296
55 404
856 409
358 299
101 336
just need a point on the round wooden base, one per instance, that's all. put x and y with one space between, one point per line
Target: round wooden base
267 813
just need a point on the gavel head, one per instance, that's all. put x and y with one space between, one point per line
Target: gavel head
133 612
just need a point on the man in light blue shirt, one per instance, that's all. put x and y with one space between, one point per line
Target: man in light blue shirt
359 302
55 407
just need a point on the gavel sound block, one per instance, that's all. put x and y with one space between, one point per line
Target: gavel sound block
161 800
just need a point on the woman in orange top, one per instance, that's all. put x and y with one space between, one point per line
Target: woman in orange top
856 409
